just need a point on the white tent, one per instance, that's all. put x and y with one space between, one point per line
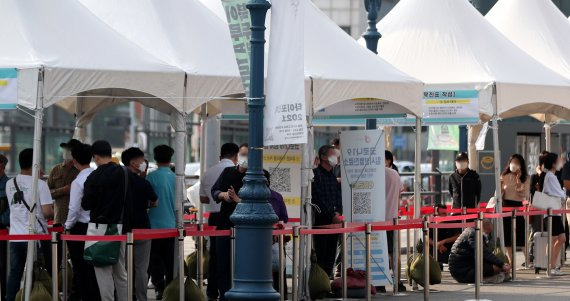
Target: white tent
61 50
540 29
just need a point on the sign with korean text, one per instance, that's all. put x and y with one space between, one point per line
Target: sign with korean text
364 196
439 105
361 108
8 88
239 22
283 163
443 137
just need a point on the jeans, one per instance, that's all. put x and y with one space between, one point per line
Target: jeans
84 280
18 253
223 268
113 278
141 260
161 267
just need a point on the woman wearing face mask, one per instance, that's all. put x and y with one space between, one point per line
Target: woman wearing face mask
552 187
515 188
464 184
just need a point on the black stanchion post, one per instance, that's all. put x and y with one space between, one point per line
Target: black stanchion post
368 233
130 262
426 257
54 267
514 244
295 272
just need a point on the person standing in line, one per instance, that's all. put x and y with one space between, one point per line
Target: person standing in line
515 188
226 191
19 190
552 188
142 198
393 190
59 182
326 194
390 161
228 158
464 184
76 224
104 194
4 223
163 216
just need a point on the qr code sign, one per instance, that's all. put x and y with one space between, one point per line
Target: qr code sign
362 203
280 179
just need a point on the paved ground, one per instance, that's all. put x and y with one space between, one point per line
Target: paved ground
528 286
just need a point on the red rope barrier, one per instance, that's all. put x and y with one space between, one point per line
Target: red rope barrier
438 219
25 237
497 215
146 234
209 233
452 225
69 237
397 227
332 231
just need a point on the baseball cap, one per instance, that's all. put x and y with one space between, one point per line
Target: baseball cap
70 144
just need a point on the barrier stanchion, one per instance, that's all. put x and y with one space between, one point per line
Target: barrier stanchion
130 262
563 249
344 262
54 267
295 272
64 269
396 261
435 236
478 256
199 258
232 253
526 238
181 264
408 238
368 233
426 257
549 243
282 291
514 244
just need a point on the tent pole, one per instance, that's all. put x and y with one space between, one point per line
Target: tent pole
417 182
547 135
38 118
179 125
497 154
203 116
79 132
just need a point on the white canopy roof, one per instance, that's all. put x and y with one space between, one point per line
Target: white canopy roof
79 53
539 28
182 33
448 43
342 70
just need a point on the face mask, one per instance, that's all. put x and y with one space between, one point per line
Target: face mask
333 161
142 166
242 161
67 155
461 165
514 167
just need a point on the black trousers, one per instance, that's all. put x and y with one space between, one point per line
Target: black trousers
212 289
3 265
223 268
325 249
161 267
84 285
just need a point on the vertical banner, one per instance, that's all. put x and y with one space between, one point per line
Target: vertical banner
443 137
364 196
285 120
239 22
284 166
8 88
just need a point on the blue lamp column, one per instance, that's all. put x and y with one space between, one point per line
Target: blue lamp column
371 36
254 216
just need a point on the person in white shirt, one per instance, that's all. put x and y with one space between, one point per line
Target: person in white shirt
228 158
18 191
552 187
83 287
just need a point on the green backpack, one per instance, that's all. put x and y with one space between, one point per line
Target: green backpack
319 282
191 291
415 268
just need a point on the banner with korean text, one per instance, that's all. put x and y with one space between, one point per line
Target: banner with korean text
364 196
457 105
239 22
283 163
8 88
285 120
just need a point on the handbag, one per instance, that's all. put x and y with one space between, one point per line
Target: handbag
544 201
105 253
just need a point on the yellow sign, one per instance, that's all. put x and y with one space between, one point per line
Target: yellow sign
447 101
487 162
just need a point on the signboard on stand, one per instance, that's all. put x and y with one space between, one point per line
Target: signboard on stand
364 196
284 166
8 88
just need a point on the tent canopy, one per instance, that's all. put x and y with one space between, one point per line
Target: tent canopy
448 43
540 29
340 69
79 53
182 33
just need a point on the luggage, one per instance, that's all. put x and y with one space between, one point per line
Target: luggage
192 260
540 257
355 284
191 291
319 282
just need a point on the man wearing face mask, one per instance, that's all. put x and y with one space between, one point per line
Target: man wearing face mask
59 182
464 184
143 197
226 191
326 194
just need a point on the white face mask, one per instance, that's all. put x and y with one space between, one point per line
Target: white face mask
242 161
333 161
142 167
461 165
67 155
514 167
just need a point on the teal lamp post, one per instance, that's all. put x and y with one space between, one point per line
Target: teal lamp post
371 36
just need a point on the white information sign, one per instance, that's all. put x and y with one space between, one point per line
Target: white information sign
442 105
364 196
361 108
8 88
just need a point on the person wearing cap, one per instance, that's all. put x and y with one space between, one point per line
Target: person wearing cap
464 184
59 182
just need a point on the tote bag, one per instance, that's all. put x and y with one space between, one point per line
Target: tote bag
543 201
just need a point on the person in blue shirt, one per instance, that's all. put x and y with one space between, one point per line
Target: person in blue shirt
163 216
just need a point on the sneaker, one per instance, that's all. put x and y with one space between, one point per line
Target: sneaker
556 272
401 287
496 279
381 289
